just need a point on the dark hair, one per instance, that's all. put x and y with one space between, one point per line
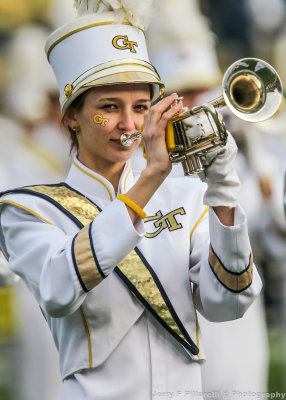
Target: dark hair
76 105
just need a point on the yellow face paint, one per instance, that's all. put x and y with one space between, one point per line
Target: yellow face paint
99 120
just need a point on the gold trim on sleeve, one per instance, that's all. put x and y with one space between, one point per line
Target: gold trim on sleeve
85 261
236 282
26 209
198 221
88 335
197 322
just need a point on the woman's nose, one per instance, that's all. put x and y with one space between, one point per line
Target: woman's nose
127 122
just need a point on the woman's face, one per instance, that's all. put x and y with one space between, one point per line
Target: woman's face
106 114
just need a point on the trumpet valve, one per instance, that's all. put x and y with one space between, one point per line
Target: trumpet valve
176 101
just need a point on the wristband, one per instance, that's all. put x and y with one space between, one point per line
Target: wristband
132 205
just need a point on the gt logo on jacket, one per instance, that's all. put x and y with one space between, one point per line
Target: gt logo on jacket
165 221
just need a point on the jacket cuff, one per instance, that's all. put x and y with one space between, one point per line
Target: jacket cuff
85 261
102 244
230 255
114 236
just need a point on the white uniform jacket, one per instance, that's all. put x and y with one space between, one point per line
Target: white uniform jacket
135 325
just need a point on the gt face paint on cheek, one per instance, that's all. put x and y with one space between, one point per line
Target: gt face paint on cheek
100 120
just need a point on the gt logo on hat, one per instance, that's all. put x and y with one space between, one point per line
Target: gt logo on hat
126 44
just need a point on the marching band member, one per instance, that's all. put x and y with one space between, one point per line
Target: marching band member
119 266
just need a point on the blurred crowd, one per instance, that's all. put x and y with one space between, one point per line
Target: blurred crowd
191 43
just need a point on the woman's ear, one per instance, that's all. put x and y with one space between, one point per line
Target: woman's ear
70 120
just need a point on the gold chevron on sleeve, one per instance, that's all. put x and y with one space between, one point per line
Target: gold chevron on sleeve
85 262
234 281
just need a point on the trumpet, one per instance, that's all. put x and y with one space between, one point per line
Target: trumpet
252 91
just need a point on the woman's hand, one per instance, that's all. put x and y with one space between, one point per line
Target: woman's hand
158 162
154 132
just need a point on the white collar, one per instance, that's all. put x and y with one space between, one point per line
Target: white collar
94 185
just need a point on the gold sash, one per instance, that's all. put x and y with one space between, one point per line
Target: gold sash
134 270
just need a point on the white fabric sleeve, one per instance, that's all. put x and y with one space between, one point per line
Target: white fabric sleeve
112 245
42 254
225 280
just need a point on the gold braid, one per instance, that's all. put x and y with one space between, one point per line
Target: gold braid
126 9
96 8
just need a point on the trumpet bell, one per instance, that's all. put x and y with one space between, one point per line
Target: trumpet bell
252 89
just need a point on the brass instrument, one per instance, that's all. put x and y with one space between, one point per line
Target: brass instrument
252 90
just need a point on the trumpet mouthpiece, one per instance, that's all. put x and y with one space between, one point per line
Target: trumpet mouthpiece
128 138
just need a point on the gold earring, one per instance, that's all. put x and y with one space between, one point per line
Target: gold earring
76 129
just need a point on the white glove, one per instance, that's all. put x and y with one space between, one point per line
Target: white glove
222 179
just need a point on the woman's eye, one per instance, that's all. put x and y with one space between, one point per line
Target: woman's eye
141 107
109 107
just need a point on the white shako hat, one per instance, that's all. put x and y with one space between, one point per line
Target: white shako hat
182 47
104 45
31 78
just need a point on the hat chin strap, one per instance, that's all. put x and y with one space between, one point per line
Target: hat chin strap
125 62
122 71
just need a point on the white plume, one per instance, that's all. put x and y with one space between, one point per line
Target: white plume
137 12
